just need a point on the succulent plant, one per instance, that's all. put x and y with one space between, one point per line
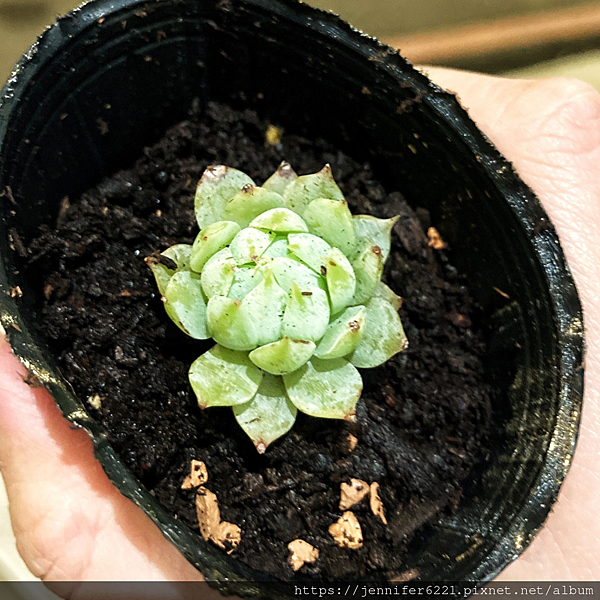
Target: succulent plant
288 284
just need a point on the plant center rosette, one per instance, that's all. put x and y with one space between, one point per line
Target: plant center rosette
288 284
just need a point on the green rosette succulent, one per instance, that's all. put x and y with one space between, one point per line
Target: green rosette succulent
288 284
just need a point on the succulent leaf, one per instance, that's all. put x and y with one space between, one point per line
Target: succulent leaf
303 190
283 356
265 305
288 270
368 268
230 325
217 185
185 304
383 291
341 281
218 274
281 179
371 230
277 249
178 256
383 335
223 377
306 315
280 220
249 244
249 203
325 388
269 415
344 334
245 279
310 249
332 221
210 240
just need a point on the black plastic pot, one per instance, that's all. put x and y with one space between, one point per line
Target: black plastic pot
113 75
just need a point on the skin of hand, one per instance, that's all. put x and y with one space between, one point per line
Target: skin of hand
71 524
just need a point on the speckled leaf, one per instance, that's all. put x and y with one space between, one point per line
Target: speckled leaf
230 325
245 279
332 221
218 274
325 388
217 185
277 249
269 415
249 244
287 270
210 240
281 179
185 304
310 249
343 335
383 291
179 254
383 335
250 202
279 220
341 281
283 356
374 231
223 377
307 314
368 267
303 190
265 305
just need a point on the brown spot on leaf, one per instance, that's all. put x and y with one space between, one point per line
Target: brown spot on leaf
354 326
346 531
376 503
352 493
323 270
198 475
301 552
376 250
248 189
307 293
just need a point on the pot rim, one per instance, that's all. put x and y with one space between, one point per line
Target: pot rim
522 201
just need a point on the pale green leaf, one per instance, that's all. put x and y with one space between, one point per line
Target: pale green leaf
249 244
230 325
245 279
277 249
325 388
374 231
265 305
343 335
332 221
368 267
223 377
217 185
281 179
310 249
185 304
287 270
283 356
218 274
269 415
280 220
303 190
178 257
250 202
210 240
383 335
341 281
307 314
383 291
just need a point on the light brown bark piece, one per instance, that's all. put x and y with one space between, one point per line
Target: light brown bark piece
435 239
352 493
227 536
347 532
376 503
207 510
301 552
198 476
352 441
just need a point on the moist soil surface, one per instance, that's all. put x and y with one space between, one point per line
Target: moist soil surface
423 417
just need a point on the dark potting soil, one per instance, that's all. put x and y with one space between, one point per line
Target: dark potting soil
423 417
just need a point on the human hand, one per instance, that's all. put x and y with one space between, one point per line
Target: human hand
72 524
